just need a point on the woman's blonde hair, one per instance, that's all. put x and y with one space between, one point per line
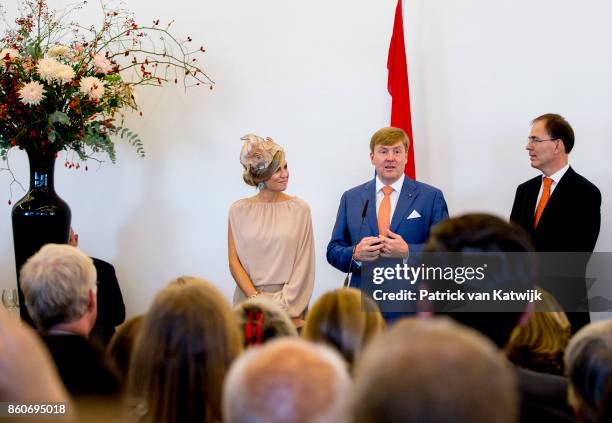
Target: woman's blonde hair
121 346
539 345
188 341
339 319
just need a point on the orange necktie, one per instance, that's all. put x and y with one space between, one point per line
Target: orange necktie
543 200
384 211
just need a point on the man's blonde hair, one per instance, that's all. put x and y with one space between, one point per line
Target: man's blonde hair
389 136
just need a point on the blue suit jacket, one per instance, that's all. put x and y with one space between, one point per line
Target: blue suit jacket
426 200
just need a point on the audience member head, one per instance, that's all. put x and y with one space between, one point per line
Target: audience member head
27 371
260 158
485 233
261 319
185 281
59 286
339 319
121 346
187 342
287 380
596 330
540 343
590 379
73 238
433 371
588 363
478 232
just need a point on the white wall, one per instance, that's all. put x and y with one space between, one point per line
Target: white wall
312 75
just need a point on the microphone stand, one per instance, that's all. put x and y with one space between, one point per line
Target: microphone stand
347 282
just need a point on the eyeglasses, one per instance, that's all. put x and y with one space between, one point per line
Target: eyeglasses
537 140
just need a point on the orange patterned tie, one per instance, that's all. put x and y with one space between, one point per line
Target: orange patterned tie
384 211
543 200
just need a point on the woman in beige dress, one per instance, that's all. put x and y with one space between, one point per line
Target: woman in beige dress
270 241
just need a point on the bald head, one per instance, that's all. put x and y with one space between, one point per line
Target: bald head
433 371
288 381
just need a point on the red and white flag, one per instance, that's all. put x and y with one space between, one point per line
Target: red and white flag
397 85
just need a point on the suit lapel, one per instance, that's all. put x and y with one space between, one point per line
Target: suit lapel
533 188
405 201
369 194
556 198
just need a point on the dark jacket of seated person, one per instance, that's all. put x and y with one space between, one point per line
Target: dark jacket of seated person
81 365
543 397
111 309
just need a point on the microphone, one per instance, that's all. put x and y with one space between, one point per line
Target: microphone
363 216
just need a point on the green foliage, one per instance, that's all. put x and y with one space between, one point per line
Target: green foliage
134 140
59 117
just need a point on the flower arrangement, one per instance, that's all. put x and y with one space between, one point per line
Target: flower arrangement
64 86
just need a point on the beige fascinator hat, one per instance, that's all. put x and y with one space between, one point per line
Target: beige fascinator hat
260 158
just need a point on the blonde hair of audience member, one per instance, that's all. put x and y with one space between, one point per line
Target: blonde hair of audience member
188 341
287 380
540 343
433 371
261 319
59 285
121 346
339 319
186 281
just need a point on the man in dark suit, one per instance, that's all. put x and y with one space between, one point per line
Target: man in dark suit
560 209
398 210
59 285
111 309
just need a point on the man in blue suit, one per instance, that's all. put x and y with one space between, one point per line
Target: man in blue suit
389 216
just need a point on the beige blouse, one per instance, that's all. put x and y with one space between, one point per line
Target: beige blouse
275 245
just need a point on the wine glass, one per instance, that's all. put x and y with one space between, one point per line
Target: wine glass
10 299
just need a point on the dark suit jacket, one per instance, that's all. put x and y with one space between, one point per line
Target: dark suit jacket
111 309
81 365
543 397
416 199
571 219
570 223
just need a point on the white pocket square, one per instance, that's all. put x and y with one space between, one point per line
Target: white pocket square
414 215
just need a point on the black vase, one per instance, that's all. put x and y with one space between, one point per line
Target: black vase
40 217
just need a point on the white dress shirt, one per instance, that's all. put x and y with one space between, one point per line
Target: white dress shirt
394 197
556 177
